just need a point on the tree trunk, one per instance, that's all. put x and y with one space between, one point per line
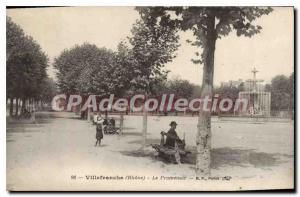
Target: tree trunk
40 105
29 104
11 107
17 107
121 123
35 105
145 120
203 139
88 114
33 111
23 105
106 115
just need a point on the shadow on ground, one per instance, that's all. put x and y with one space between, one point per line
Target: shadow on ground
133 133
149 141
221 157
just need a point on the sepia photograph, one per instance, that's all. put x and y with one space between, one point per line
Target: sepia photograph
150 98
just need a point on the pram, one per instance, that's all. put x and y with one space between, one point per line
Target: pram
110 128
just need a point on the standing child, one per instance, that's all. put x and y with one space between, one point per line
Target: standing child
99 134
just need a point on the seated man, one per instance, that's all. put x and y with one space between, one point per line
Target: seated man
172 136
172 139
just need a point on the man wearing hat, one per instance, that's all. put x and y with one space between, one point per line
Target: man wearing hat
171 135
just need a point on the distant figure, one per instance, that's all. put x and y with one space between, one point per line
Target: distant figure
105 125
99 134
171 135
112 122
32 116
105 122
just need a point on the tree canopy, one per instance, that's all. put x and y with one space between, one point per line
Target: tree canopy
153 45
207 23
87 69
282 92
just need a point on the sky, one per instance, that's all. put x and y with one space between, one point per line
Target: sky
271 51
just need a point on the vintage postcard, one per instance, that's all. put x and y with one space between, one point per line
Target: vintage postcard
150 98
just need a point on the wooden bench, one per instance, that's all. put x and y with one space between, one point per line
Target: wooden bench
170 153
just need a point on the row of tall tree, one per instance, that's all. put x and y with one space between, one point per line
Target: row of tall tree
281 89
26 64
